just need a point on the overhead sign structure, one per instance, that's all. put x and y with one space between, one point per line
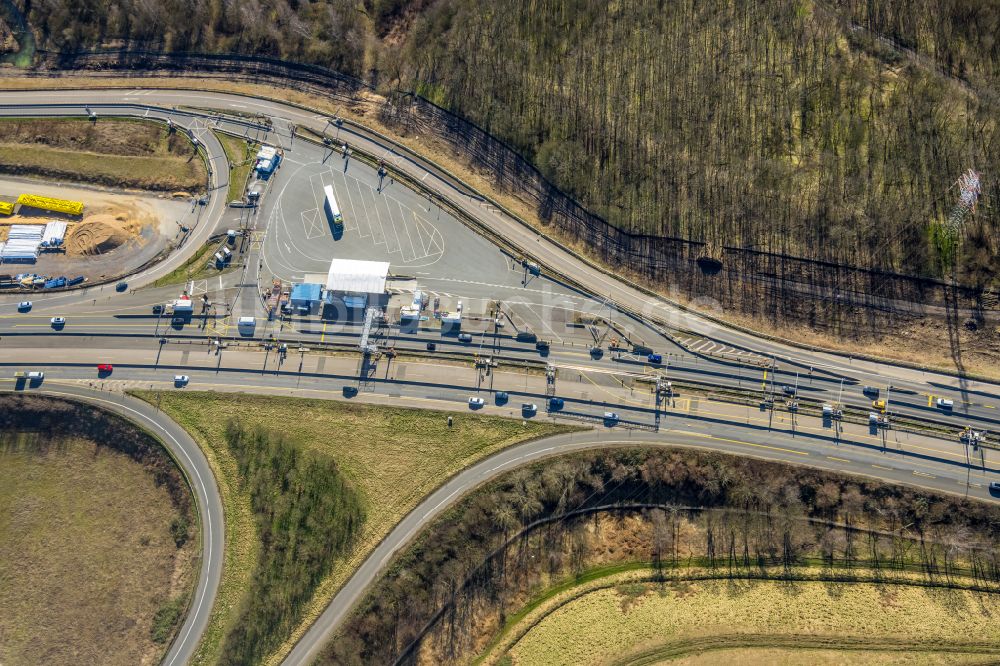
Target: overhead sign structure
50 204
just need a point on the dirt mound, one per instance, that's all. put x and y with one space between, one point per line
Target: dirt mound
97 235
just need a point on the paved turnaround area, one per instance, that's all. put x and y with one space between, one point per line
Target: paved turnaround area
720 376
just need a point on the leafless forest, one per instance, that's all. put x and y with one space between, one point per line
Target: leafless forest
727 516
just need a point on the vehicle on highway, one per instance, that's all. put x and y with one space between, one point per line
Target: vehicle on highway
788 390
465 337
36 374
556 403
879 405
501 397
476 403
105 368
995 486
24 306
58 322
20 374
246 325
878 420
870 391
945 403
542 345
121 286
655 359
596 352
181 380
529 408
178 321
350 391
431 346
157 309
610 417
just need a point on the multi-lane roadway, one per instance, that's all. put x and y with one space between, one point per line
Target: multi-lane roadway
721 376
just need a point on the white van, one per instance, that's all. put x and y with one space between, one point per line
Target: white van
246 325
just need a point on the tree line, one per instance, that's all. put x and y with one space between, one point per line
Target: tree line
307 515
735 517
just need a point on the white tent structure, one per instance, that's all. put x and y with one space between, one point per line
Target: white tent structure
356 283
351 276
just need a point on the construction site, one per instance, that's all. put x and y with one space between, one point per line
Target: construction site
66 232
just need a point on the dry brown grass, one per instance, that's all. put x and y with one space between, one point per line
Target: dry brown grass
86 555
394 457
118 153
616 623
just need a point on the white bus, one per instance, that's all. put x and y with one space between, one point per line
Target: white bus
330 206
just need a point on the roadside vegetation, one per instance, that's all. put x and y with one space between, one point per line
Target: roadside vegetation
391 458
200 265
306 516
668 515
112 152
240 154
622 620
97 537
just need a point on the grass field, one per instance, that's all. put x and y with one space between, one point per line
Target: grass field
117 153
393 457
240 154
88 560
646 623
200 265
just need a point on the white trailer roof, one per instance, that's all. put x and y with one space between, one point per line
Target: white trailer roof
357 277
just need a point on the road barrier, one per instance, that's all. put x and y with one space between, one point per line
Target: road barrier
50 204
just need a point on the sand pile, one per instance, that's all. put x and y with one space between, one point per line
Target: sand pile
98 234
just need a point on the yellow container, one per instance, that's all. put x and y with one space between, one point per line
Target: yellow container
54 205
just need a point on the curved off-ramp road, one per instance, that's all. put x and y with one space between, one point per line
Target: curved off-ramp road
193 463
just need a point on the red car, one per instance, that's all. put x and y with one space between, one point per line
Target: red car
105 368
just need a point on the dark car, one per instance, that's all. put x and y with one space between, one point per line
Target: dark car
431 346
655 359
556 403
788 390
501 397
870 391
157 309
121 286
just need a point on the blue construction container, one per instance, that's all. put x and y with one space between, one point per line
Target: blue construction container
306 296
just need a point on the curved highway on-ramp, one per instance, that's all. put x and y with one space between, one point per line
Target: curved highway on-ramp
143 357
192 461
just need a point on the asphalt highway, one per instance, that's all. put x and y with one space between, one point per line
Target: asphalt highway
451 259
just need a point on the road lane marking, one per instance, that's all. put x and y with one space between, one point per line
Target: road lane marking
838 459
929 476
759 446
881 467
